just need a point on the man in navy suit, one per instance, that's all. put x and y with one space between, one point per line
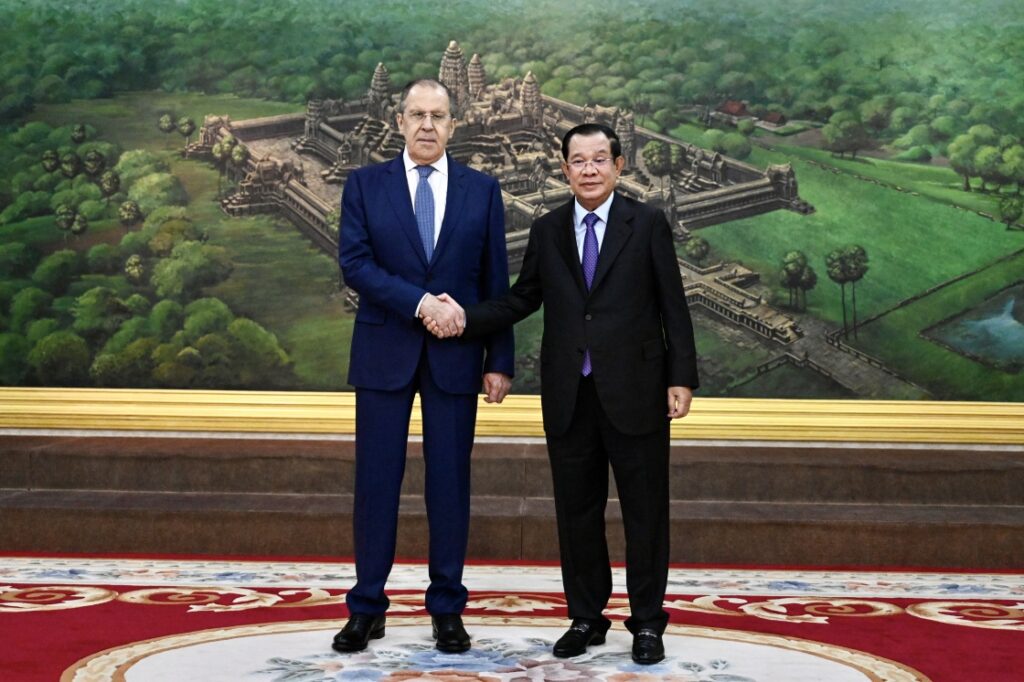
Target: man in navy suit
617 364
412 228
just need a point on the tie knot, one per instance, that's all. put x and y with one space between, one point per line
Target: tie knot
424 171
590 220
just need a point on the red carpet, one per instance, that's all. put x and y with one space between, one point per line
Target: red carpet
57 616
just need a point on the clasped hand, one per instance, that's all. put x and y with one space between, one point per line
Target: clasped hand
442 316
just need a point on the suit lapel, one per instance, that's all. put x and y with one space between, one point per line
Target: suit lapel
453 204
398 196
565 242
616 234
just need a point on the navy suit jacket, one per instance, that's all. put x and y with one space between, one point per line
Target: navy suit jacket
382 258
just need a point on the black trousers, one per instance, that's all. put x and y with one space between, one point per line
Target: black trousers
579 469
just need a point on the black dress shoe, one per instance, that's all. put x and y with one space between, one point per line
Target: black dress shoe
580 635
648 647
358 631
451 636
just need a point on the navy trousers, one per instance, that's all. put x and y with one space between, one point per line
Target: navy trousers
382 431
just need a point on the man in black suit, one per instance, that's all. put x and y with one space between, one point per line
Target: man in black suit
617 364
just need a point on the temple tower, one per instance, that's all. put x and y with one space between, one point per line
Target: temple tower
453 74
477 77
379 93
533 106
314 115
625 128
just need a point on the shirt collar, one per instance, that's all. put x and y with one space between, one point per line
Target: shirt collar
440 166
601 211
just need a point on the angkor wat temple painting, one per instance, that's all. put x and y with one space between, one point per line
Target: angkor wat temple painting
846 222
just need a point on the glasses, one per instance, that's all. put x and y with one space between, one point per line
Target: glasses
599 163
418 117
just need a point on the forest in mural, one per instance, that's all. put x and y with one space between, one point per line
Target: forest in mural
136 138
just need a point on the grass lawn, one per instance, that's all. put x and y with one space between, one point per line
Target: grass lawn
720 360
938 183
688 132
896 339
130 119
935 182
789 381
912 243
43 234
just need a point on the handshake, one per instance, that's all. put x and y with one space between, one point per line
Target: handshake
442 316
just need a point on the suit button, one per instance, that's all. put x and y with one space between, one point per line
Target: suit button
587 317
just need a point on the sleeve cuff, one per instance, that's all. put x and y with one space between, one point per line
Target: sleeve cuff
419 305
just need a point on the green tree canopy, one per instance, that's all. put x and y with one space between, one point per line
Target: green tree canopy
40 328
152 191
656 158
103 259
14 365
138 163
257 347
961 154
735 145
130 367
173 232
129 214
697 248
97 314
165 318
61 359
191 266
844 134
17 259
55 272
206 316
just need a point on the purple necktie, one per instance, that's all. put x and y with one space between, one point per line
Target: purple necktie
589 267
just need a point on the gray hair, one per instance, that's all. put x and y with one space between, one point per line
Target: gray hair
423 81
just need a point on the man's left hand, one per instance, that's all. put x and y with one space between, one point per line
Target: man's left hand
679 398
496 386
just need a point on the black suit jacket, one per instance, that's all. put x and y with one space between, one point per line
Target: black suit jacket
634 319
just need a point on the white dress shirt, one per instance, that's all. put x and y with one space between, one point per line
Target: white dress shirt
438 181
599 227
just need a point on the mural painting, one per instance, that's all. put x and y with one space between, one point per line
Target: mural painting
844 183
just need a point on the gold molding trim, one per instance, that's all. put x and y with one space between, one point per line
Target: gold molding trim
334 413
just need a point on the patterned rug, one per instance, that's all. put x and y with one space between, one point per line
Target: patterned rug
178 620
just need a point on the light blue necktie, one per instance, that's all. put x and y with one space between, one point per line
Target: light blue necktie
589 268
425 210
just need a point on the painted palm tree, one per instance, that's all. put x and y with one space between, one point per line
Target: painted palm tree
857 266
793 265
847 265
808 280
836 268
186 126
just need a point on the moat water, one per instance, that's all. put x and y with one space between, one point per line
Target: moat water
992 332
